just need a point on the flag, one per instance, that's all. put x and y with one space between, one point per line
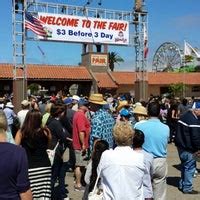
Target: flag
189 50
34 24
146 49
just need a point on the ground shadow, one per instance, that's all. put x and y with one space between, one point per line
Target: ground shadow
173 181
178 166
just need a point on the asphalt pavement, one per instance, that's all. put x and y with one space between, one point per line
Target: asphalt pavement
172 181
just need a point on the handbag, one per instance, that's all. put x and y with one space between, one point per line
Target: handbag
51 153
96 194
16 122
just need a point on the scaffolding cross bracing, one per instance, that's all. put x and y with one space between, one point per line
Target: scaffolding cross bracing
138 20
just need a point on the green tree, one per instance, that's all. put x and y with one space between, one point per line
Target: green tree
187 68
197 68
177 89
113 58
34 88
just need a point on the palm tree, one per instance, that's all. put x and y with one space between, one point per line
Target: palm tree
188 58
114 58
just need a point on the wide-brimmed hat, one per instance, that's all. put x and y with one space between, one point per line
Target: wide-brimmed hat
9 105
97 99
122 104
25 103
137 104
139 109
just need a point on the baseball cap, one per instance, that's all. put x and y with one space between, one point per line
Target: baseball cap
124 112
76 97
25 102
83 102
196 105
68 101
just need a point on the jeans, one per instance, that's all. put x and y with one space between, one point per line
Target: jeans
58 173
188 166
64 168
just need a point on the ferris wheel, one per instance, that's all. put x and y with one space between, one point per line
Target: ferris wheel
168 57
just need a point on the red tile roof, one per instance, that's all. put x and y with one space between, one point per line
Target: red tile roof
170 77
35 71
159 78
6 71
61 72
124 78
104 80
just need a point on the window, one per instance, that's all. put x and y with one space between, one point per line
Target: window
196 88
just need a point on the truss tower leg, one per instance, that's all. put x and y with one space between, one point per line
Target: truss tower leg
140 40
19 51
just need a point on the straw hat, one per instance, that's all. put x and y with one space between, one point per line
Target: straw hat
137 104
139 109
9 105
122 104
97 99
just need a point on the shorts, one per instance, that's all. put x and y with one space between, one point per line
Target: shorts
81 161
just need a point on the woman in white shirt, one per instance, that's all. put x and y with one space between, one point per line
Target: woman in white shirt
122 169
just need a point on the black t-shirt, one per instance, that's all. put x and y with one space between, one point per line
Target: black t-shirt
36 150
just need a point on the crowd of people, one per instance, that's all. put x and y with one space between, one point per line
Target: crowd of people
110 143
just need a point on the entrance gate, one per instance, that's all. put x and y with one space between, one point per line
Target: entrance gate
137 19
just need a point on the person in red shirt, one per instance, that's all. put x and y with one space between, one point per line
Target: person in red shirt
81 131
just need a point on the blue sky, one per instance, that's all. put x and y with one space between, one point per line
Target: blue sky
168 21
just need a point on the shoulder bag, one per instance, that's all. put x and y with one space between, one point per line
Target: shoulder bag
96 193
51 153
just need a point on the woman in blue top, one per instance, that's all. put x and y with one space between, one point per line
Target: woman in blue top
14 183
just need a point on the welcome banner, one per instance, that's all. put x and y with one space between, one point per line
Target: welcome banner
70 28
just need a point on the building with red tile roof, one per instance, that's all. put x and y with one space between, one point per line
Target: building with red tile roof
60 76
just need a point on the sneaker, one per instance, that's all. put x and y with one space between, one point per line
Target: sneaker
195 174
66 198
191 192
180 189
79 189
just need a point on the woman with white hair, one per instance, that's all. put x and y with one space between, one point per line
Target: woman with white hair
122 169
14 183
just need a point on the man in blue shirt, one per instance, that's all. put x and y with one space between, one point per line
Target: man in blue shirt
102 122
156 140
